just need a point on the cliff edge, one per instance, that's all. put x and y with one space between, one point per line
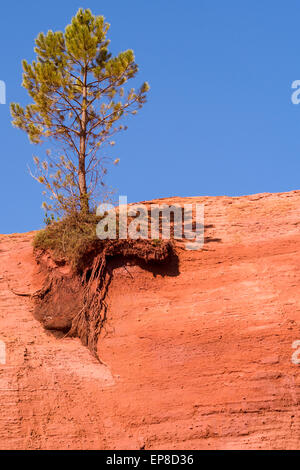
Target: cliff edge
195 358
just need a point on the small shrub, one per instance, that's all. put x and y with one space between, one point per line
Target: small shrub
69 238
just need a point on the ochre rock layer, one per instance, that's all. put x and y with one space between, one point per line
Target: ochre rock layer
197 356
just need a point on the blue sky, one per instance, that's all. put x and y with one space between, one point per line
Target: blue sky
219 118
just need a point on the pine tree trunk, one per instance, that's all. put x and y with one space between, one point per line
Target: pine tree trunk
84 202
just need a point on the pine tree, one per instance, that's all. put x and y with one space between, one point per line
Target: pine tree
79 94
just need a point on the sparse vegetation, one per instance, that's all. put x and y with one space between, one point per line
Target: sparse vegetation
74 237
80 93
69 238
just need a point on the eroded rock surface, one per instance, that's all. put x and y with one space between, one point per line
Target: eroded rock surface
199 358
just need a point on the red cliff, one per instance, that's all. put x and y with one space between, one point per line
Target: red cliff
194 359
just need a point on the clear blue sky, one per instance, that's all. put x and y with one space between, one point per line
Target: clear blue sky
219 119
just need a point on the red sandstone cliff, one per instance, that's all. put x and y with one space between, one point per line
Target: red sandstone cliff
199 360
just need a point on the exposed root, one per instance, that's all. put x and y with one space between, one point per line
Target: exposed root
39 293
21 294
87 324
58 300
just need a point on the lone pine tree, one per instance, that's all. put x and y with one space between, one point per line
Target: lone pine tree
79 94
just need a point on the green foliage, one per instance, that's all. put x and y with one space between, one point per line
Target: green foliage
70 238
74 237
79 94
49 219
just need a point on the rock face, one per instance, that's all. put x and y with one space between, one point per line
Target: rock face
195 359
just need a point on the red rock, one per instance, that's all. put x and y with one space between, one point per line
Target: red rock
199 360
